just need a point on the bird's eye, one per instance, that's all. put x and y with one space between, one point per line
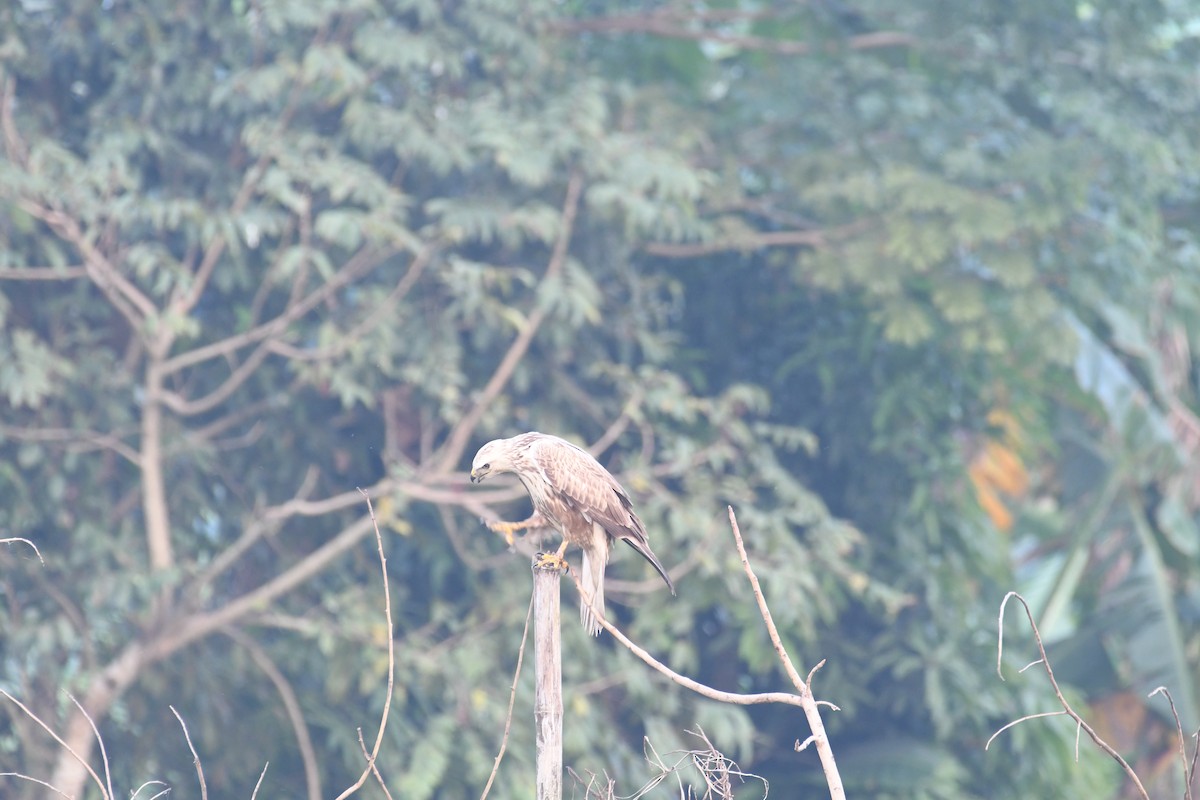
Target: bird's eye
486 466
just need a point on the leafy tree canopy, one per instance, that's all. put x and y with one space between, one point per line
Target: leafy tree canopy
913 286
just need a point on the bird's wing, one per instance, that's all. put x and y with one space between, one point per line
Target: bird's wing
583 484
588 487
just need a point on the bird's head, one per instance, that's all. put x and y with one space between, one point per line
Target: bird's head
493 458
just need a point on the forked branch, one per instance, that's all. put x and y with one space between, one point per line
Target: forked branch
804 699
1080 722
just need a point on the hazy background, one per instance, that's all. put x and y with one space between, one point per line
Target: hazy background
915 286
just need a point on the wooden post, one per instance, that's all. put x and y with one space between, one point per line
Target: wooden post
548 698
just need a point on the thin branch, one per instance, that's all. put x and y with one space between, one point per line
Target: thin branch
701 689
195 755
1070 712
357 266
269 519
456 442
372 319
23 777
1187 773
391 677
103 791
765 611
127 298
374 767
77 440
812 711
13 146
258 785
250 183
99 740
619 425
42 273
202 405
198 625
210 430
512 699
138 790
1025 718
291 705
15 539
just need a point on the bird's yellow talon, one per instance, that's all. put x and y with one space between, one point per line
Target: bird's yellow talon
551 561
505 529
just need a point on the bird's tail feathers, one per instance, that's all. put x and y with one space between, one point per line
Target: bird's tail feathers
644 550
592 581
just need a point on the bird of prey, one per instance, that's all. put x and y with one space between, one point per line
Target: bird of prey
572 493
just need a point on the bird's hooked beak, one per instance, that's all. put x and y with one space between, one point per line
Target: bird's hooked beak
477 475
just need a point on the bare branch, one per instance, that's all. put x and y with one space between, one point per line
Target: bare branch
133 304
1025 718
374 767
512 699
391 677
258 785
138 790
201 405
765 611
23 777
701 689
103 790
377 315
1067 709
672 27
99 741
456 442
15 539
811 711
196 626
619 425
42 274
363 262
77 440
270 519
291 705
195 755
1187 772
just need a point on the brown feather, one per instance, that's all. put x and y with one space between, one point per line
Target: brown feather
576 495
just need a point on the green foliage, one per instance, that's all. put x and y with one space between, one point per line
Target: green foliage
271 252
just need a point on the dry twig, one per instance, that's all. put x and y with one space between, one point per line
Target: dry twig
258 785
14 539
138 791
104 791
391 678
291 705
456 441
195 755
1080 723
1189 770
512 698
24 777
804 699
374 767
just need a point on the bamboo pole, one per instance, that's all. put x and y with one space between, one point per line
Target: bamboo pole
548 698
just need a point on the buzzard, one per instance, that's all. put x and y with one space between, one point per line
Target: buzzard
572 493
